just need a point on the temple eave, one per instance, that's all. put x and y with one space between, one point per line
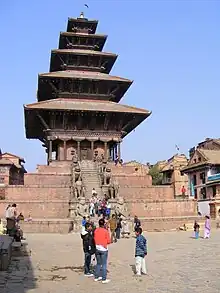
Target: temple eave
84 35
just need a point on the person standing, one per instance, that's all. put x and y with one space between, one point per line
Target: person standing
11 219
88 248
207 228
113 226
137 223
140 252
102 240
196 229
118 228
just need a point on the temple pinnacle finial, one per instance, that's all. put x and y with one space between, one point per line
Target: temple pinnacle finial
81 15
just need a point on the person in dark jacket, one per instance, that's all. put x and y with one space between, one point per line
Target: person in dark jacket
118 228
140 252
89 248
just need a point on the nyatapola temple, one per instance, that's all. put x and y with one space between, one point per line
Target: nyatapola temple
81 124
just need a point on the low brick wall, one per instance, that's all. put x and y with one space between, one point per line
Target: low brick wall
37 192
147 193
64 226
46 179
38 208
167 224
47 226
134 180
172 208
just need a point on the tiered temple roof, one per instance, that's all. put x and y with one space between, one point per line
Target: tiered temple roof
79 84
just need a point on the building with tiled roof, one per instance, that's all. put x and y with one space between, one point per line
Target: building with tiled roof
11 170
203 169
172 175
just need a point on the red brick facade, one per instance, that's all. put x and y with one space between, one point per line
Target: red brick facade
46 195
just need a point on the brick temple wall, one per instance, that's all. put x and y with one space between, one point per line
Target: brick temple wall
46 179
147 193
38 201
162 208
46 194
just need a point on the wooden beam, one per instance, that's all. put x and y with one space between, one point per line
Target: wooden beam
53 86
106 122
43 121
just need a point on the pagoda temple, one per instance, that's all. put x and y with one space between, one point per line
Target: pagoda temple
78 111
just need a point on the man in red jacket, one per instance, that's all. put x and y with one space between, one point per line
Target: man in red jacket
102 240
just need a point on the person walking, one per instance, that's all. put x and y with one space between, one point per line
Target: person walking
207 228
140 252
88 248
102 240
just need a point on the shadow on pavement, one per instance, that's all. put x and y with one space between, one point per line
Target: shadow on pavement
19 278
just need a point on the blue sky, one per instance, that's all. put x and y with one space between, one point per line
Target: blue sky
169 48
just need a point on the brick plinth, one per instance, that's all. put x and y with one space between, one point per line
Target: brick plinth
64 226
166 223
162 208
38 208
47 226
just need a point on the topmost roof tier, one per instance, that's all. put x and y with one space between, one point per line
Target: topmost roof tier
81 25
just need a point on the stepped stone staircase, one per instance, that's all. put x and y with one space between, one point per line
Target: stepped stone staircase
90 178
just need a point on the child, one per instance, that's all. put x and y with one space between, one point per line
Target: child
140 252
196 229
84 221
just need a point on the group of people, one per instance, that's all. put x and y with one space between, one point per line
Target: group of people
207 228
97 240
99 207
13 219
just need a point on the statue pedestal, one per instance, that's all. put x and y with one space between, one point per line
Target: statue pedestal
215 207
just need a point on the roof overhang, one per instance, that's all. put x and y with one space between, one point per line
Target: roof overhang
134 115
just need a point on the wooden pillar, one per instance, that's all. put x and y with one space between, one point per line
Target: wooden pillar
50 151
78 150
105 150
64 149
119 150
108 153
92 149
115 150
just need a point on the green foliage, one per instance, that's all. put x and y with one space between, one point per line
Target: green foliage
156 175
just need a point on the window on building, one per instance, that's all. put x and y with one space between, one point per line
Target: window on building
199 159
195 192
202 177
194 161
213 191
203 193
194 180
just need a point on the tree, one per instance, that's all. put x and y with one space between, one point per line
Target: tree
156 175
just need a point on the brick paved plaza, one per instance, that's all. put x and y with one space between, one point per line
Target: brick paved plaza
176 264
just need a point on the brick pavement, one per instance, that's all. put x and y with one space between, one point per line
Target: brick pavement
176 264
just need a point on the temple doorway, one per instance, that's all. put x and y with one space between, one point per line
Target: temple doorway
85 154
85 150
